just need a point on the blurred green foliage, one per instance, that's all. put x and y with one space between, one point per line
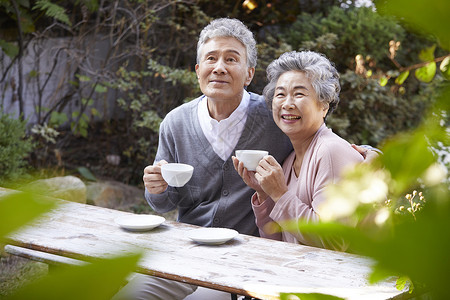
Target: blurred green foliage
97 280
405 235
15 146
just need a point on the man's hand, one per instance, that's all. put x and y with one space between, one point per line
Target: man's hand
368 154
153 180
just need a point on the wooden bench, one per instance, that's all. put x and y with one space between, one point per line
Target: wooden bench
50 259
57 260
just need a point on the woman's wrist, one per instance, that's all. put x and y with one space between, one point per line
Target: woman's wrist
260 198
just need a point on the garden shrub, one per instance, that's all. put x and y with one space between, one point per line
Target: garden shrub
359 31
368 112
14 148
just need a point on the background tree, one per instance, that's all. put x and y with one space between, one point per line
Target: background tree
112 100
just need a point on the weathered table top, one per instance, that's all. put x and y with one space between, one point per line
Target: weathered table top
246 265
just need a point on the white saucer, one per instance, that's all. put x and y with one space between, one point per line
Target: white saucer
139 222
212 235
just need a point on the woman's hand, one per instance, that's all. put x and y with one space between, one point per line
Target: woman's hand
250 180
270 177
247 176
153 180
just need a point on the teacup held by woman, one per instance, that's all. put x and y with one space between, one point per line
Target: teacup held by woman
250 158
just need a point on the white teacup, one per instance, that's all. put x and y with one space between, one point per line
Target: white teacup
175 174
250 158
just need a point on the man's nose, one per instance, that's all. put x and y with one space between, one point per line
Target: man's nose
220 67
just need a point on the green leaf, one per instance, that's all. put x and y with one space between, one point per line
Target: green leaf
430 16
86 173
406 157
383 81
95 281
402 77
445 68
10 49
33 74
402 282
308 296
379 273
19 208
53 11
100 89
58 118
83 78
426 73
427 54
94 112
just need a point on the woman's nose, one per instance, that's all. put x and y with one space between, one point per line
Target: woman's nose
288 103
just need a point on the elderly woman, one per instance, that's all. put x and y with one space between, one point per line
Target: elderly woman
303 90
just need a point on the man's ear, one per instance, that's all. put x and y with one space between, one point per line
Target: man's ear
196 70
250 74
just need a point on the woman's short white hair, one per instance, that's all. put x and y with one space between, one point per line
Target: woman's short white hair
225 27
318 69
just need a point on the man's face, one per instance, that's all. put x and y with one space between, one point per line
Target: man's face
222 71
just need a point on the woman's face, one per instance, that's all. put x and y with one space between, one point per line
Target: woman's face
296 107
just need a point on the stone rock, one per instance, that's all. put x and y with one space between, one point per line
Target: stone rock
69 188
116 195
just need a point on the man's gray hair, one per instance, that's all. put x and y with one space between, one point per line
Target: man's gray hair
225 27
318 69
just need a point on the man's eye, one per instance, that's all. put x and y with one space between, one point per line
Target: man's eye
232 59
210 58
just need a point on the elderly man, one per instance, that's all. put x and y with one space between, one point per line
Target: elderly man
205 133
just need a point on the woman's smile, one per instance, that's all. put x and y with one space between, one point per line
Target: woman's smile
290 117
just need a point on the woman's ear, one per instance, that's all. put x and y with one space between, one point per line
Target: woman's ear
325 109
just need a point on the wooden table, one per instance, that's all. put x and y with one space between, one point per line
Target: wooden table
246 265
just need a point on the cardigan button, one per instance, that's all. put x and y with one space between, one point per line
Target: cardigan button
225 192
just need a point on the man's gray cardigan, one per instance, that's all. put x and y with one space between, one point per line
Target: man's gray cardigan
216 196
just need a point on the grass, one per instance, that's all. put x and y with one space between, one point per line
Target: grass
17 271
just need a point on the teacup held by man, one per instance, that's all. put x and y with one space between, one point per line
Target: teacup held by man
176 174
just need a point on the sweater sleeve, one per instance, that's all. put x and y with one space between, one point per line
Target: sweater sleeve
169 199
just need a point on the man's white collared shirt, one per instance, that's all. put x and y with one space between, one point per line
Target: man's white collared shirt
223 135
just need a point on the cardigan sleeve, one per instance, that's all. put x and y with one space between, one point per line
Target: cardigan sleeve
263 220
